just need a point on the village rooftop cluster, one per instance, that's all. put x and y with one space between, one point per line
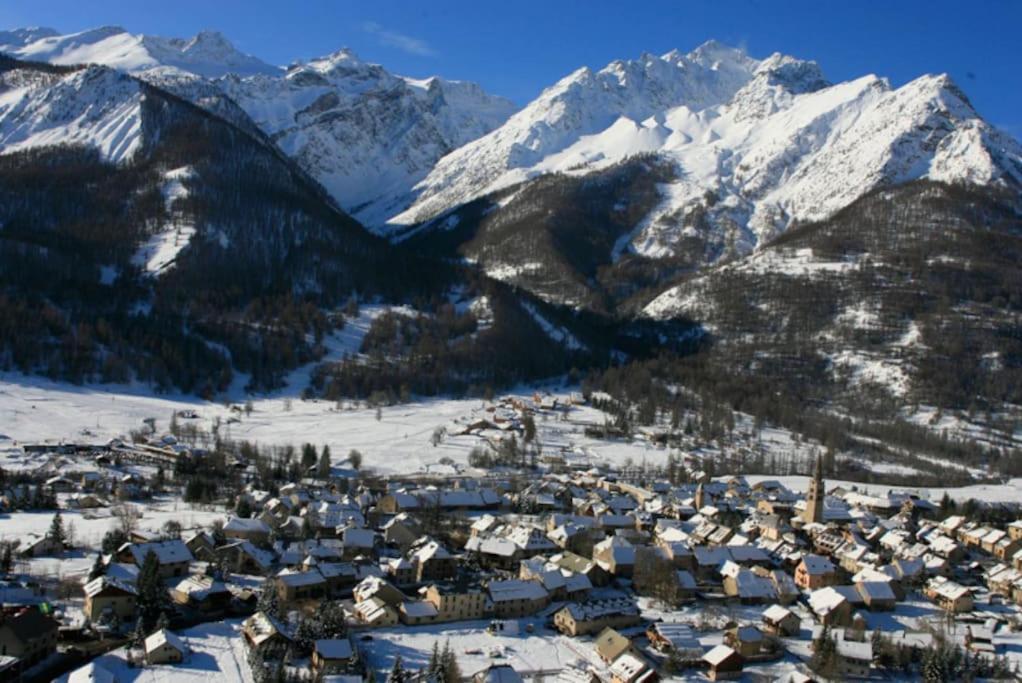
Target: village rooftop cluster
558 571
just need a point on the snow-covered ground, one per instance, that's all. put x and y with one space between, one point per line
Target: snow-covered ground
34 409
89 526
476 649
217 653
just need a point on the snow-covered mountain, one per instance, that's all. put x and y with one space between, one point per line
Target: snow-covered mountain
95 107
207 54
756 144
365 134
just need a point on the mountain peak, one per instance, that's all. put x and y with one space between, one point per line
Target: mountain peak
712 52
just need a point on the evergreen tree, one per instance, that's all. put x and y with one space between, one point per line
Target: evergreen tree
323 468
268 601
112 541
397 672
451 672
57 534
529 428
243 508
7 559
98 568
152 594
308 457
138 635
331 619
434 666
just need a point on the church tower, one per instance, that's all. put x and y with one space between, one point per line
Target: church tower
700 497
814 498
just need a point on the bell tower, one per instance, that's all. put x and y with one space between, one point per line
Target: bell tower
814 498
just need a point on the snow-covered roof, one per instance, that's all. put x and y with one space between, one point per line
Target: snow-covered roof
91 673
718 654
817 565
97 585
164 637
515 589
776 613
418 608
167 552
246 525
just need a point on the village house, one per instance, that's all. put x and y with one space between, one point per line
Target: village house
814 572
38 545
432 561
610 645
375 613
456 602
575 619
723 663
295 586
202 593
265 634
948 595
745 640
631 668
781 621
107 597
616 555
416 612
201 544
677 638
516 598
27 634
333 655
830 607
173 556
164 647
247 529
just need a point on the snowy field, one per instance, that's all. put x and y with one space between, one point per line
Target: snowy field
89 526
34 410
217 653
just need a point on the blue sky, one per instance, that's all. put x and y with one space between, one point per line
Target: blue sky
516 48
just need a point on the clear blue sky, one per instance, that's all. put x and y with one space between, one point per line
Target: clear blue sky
516 48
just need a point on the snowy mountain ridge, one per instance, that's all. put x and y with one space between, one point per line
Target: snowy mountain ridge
365 134
757 144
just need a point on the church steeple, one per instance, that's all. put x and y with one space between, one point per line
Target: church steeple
814 497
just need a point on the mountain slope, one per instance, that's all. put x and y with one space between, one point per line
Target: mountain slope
208 54
756 147
366 135
911 295
196 253
201 250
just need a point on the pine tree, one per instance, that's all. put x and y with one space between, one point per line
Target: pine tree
323 468
268 601
98 568
451 672
152 594
7 559
57 534
433 669
397 672
308 457
138 636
